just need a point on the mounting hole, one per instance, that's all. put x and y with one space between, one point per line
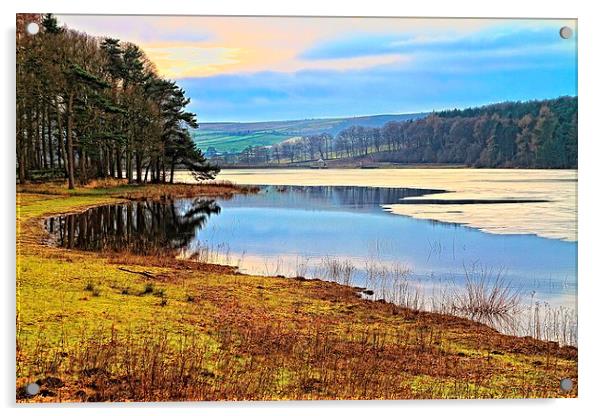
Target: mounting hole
32 28
32 389
566 32
566 384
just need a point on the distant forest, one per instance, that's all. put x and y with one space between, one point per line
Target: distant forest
91 107
533 134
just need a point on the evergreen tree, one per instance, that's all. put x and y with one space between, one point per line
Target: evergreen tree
94 107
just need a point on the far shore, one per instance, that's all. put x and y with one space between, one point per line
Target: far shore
308 165
305 165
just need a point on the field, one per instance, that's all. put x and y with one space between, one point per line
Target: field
235 143
120 327
234 137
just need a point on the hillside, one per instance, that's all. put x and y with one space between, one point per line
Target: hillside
530 134
235 137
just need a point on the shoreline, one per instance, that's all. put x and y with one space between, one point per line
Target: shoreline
171 273
386 166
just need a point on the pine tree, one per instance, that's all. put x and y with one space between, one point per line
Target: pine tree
93 107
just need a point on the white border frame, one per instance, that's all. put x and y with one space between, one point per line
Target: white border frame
590 152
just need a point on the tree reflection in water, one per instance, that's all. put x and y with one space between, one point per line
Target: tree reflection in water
139 227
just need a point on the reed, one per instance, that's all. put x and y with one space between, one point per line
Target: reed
487 298
338 271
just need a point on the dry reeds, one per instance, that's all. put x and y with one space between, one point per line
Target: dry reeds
338 271
484 295
486 298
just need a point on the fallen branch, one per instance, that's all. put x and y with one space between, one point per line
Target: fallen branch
146 274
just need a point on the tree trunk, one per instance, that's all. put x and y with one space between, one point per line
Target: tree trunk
31 158
172 168
138 167
49 127
37 138
157 171
59 127
128 164
147 168
83 177
111 161
118 163
22 177
70 158
20 147
43 139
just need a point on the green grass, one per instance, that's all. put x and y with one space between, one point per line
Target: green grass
227 142
236 136
225 136
204 332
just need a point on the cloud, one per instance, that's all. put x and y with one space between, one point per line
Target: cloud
267 68
187 60
139 29
284 44
504 39
326 93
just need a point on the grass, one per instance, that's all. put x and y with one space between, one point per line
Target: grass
237 136
227 142
206 332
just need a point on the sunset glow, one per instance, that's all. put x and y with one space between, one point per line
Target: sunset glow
254 68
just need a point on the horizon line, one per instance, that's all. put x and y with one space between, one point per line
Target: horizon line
388 114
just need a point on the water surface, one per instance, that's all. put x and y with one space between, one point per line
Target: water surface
291 230
554 218
428 231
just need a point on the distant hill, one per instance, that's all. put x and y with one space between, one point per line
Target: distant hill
528 134
234 137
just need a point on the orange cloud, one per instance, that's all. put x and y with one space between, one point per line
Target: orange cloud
198 46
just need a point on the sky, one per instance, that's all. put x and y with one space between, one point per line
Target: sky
285 68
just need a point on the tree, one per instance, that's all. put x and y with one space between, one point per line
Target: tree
95 106
543 141
524 152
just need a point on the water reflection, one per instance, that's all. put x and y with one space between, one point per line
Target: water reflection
340 233
148 226
356 198
140 227
554 219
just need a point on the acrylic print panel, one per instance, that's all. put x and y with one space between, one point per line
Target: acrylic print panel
295 208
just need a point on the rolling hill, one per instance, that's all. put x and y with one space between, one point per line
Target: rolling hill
234 137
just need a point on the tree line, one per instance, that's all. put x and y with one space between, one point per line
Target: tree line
532 134
90 107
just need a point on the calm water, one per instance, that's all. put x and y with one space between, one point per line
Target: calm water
299 230
555 218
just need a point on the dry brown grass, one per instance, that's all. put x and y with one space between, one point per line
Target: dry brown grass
376 351
119 188
205 332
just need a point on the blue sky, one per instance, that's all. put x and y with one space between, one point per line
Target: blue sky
252 69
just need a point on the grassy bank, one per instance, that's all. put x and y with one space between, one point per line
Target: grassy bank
120 327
